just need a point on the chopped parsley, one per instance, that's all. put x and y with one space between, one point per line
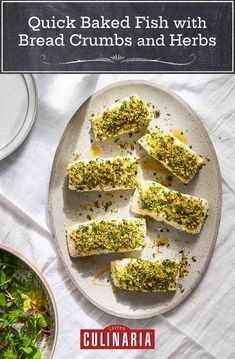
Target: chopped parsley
109 236
175 156
119 172
185 211
127 115
145 275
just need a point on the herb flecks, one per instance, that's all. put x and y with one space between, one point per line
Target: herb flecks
127 115
103 174
175 208
108 236
174 155
145 275
184 266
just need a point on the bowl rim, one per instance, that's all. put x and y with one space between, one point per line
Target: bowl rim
45 283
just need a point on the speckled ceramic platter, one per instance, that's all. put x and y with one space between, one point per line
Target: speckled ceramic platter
47 343
91 275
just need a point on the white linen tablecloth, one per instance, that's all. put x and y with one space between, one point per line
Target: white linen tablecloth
201 327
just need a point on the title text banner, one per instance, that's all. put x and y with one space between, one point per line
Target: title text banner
116 36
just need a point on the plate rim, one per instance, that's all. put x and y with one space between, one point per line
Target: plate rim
188 292
43 279
27 124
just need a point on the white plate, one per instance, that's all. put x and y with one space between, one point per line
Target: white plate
18 103
65 206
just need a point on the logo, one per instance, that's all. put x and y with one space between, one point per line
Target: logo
117 337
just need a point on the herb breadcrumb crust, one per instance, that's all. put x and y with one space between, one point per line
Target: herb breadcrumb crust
179 210
145 275
177 157
106 236
127 115
103 174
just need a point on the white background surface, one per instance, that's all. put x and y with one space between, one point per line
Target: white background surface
201 327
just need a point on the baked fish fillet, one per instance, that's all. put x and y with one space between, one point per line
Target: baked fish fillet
127 115
106 236
179 210
177 157
145 275
104 174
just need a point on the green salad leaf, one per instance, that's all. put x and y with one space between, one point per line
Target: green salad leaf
24 317
2 300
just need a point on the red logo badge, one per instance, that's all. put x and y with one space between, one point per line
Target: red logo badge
117 337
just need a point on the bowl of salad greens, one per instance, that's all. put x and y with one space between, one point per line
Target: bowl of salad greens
28 314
